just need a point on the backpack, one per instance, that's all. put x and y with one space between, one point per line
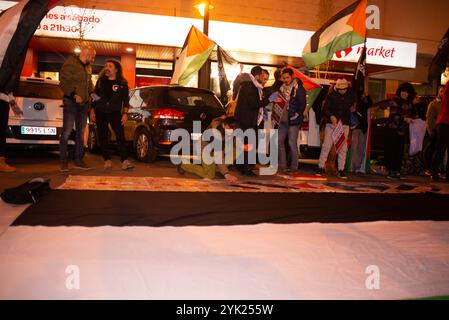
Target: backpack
28 192
230 110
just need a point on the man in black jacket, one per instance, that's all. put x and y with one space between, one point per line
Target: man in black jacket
110 107
250 103
250 99
337 107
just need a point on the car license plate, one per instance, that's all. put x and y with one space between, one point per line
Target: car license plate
195 136
44 131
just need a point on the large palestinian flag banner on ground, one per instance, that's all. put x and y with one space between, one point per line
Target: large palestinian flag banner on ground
344 30
119 237
17 26
195 52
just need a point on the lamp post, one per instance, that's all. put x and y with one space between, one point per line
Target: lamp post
204 73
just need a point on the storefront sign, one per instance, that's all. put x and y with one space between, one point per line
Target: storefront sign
114 26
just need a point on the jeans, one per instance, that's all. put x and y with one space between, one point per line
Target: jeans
290 132
103 121
73 114
328 144
358 147
4 116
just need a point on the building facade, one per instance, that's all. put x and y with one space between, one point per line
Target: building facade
147 35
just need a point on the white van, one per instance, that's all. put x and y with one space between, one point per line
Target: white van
40 123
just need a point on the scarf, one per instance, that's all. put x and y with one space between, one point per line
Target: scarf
258 86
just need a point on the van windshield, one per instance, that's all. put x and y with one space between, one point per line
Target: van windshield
38 90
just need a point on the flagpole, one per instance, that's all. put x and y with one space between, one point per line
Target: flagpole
204 73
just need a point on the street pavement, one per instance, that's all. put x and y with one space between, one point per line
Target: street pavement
45 164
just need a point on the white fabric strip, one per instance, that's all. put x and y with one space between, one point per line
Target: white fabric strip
378 260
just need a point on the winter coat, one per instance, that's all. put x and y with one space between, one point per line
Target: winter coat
339 106
118 100
248 105
76 79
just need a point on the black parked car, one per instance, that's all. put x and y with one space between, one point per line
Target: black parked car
158 110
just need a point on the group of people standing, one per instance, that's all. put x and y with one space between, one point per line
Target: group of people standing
404 109
107 104
254 100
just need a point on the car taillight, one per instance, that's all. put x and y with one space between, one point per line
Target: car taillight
305 126
172 114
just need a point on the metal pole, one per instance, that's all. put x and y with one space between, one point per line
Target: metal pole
204 73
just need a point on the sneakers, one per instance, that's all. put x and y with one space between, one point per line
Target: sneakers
107 164
4 167
342 175
126 165
81 165
394 175
319 172
64 167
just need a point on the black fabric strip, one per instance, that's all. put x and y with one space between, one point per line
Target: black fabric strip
14 58
315 40
125 208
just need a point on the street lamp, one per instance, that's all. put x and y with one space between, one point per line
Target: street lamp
204 73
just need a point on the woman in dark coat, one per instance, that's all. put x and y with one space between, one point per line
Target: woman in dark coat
396 128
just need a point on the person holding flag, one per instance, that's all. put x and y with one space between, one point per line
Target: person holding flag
291 118
337 109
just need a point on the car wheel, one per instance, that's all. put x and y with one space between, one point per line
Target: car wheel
92 141
144 147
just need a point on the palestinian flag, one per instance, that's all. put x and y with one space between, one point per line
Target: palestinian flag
195 52
344 30
17 26
224 58
313 89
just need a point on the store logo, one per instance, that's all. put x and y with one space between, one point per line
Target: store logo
115 87
379 52
343 53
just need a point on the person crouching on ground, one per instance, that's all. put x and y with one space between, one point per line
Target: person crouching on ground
209 171
110 103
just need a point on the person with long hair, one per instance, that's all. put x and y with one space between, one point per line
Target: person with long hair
110 107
